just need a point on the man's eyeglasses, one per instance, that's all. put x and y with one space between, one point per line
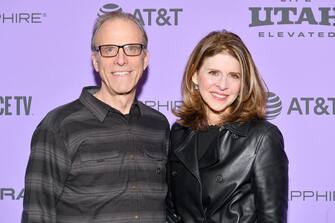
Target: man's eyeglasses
110 50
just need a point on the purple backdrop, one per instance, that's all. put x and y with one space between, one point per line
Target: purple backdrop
45 61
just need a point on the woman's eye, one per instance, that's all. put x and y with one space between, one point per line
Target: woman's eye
235 76
213 73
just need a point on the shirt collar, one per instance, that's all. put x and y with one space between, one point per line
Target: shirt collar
98 108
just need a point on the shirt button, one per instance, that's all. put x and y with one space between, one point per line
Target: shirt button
134 186
235 136
219 179
158 170
131 156
136 217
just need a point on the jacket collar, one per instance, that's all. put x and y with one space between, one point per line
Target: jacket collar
187 150
238 128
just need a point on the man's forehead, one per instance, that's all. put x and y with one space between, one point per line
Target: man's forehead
119 28
120 24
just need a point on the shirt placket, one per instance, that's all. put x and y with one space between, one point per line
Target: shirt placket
132 157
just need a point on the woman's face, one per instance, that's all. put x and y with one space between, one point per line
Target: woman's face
219 81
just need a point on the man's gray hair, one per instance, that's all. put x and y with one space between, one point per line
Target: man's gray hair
117 15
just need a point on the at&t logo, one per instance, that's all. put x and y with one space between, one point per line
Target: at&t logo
273 106
149 16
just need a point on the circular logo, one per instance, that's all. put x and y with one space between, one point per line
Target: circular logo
109 8
273 106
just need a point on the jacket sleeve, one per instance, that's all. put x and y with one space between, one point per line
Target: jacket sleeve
45 175
171 214
270 182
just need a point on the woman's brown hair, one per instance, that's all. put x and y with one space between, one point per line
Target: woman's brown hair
251 101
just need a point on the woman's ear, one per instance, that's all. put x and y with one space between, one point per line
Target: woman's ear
195 78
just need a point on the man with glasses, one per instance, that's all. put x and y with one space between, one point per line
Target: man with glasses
102 157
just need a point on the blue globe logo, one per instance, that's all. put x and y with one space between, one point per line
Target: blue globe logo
109 8
273 106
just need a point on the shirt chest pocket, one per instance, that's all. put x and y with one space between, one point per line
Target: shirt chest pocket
93 156
99 169
152 167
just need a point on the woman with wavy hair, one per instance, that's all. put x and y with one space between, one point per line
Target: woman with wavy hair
226 163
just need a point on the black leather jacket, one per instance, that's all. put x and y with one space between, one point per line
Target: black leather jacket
247 184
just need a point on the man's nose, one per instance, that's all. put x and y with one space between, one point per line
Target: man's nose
121 58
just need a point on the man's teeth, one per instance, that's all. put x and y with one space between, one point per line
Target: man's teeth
121 73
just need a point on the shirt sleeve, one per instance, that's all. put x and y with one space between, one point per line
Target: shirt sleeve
45 176
271 178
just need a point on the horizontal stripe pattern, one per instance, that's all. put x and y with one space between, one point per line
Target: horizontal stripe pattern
90 163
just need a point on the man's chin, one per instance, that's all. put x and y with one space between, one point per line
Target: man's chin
125 92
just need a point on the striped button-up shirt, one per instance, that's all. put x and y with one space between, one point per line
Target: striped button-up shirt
90 163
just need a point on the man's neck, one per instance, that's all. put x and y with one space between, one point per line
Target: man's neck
121 103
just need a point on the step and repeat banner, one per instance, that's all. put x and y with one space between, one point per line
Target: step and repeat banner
45 62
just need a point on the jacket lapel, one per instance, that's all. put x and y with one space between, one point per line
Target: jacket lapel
187 154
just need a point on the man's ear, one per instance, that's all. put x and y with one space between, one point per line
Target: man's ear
95 61
146 59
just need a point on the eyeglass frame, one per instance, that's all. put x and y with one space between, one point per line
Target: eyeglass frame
98 49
